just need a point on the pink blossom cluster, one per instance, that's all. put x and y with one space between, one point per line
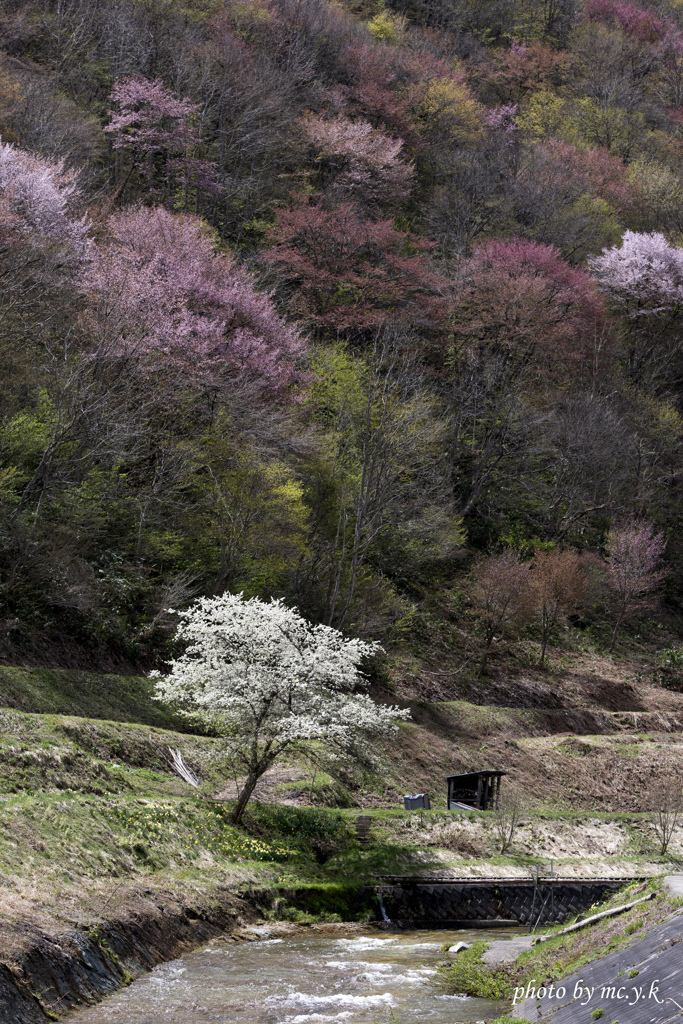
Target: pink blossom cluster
370 166
635 560
644 25
150 121
159 277
503 118
150 117
521 297
570 287
179 298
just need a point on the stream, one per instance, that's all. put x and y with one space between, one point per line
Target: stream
358 977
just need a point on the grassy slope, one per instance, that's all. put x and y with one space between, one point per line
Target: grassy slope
89 694
92 819
588 731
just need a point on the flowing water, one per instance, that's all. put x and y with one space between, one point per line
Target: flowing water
317 977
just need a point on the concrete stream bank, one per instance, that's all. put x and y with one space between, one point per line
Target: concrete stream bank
641 983
51 974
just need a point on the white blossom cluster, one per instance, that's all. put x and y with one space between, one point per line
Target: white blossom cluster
40 191
266 676
645 271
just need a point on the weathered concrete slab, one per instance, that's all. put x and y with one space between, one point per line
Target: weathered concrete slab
506 951
674 884
653 995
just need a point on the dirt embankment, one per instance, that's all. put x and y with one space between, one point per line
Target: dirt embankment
46 975
589 732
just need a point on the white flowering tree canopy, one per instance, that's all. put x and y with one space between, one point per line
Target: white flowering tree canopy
269 680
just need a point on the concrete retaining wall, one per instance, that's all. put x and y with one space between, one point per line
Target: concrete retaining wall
491 903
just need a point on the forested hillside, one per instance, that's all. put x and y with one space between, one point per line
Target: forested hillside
373 307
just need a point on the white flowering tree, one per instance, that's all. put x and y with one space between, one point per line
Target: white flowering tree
269 681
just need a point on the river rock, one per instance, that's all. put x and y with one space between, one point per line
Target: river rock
459 946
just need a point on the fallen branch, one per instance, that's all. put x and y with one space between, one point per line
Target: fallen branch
594 918
180 766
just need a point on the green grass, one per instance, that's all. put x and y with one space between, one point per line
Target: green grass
59 756
190 828
55 762
76 855
87 694
468 974
90 806
59 850
55 753
483 720
324 901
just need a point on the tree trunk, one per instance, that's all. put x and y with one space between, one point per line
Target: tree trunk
141 527
485 658
620 616
243 798
546 633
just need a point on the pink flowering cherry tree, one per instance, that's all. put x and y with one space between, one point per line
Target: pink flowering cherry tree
644 280
162 135
634 569
37 197
175 297
639 23
362 163
523 297
644 273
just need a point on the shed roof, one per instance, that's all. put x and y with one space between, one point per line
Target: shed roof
476 775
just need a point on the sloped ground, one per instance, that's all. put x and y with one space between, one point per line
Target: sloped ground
589 732
583 679
577 845
86 694
651 997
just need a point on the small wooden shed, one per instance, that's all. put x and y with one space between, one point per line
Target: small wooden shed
477 791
